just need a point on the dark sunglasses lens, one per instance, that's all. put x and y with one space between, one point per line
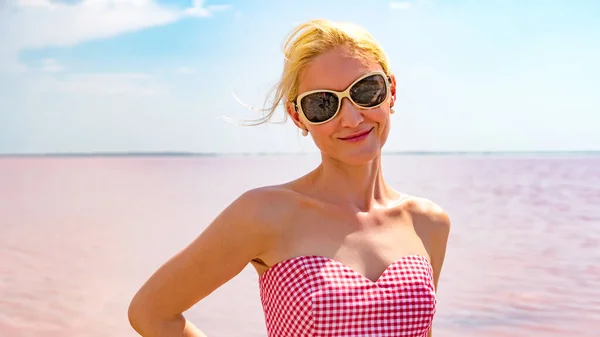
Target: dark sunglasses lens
370 91
320 106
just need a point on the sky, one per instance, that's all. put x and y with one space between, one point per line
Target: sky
96 76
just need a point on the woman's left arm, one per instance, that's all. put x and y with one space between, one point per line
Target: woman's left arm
432 224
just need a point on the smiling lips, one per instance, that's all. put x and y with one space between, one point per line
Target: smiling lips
357 136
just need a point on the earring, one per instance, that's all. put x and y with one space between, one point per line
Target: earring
305 132
392 111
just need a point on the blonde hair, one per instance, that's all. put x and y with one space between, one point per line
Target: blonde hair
311 39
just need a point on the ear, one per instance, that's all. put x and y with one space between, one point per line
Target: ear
393 90
290 108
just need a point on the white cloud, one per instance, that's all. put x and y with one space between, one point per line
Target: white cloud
98 84
400 5
201 11
51 65
42 23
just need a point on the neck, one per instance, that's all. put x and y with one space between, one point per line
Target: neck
361 186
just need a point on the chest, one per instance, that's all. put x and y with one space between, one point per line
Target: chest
366 251
324 297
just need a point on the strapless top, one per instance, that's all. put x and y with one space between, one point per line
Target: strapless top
316 296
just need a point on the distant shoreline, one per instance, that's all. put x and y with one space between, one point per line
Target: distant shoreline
407 153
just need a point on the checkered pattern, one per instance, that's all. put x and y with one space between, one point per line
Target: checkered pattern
315 296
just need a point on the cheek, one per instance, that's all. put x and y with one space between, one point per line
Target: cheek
385 132
321 134
383 120
380 117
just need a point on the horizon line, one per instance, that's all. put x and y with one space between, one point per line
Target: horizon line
229 154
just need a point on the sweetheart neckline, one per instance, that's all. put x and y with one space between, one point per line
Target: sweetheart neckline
345 266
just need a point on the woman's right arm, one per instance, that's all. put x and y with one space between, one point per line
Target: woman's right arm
236 236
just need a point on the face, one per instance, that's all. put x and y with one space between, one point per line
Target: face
368 116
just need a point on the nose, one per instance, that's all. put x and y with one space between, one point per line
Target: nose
350 115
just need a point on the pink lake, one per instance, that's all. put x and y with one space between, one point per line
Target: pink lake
79 235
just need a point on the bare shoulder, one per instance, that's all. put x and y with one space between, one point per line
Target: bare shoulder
268 206
432 225
256 204
266 210
250 212
428 216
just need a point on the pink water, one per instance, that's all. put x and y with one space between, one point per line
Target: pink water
78 236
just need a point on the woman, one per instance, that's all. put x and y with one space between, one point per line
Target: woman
338 251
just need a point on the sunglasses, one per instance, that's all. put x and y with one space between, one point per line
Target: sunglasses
367 92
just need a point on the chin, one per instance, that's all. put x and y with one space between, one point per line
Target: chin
358 157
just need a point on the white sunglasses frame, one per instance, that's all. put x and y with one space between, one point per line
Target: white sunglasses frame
341 95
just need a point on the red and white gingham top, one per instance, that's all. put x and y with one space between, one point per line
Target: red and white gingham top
315 296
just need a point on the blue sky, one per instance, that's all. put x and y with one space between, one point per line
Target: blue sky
142 75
